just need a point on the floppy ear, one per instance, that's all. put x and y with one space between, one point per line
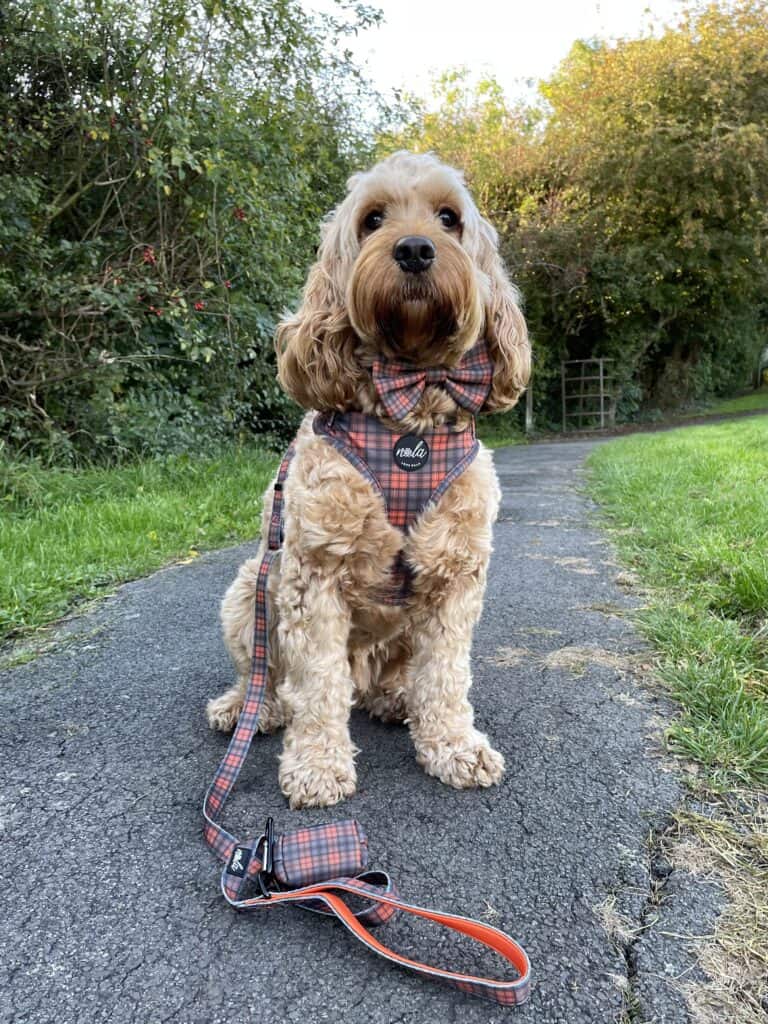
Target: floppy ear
315 346
505 331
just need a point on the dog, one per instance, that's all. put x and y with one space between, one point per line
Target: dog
407 271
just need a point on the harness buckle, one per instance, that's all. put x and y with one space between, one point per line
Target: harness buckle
264 876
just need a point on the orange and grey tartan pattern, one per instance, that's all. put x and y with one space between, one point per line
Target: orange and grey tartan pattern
369 445
315 867
400 385
340 850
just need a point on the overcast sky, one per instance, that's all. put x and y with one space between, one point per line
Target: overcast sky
514 40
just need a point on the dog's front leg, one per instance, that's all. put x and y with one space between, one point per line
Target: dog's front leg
317 763
450 548
441 717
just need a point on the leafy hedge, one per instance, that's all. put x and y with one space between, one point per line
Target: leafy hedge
164 166
163 169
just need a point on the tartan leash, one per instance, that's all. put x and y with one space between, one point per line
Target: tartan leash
315 867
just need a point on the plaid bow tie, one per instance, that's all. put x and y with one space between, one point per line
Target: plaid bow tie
400 385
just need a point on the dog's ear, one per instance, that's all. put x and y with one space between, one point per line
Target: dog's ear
315 346
505 331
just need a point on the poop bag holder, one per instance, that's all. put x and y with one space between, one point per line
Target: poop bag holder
319 853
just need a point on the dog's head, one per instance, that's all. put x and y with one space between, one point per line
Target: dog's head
407 268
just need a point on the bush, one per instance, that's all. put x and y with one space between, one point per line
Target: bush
163 169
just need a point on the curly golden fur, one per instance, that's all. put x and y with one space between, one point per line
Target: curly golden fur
332 644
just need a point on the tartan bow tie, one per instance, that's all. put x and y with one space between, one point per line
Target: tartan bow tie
400 385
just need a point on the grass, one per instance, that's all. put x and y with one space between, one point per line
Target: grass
691 507
66 536
753 401
690 511
730 841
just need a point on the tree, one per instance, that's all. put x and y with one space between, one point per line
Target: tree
632 200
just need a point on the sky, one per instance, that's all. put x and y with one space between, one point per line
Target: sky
516 41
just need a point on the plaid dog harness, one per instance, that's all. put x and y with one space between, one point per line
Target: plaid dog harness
323 868
409 472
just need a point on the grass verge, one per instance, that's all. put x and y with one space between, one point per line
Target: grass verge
689 512
691 508
753 401
730 843
65 536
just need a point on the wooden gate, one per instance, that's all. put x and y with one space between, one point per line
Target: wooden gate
589 394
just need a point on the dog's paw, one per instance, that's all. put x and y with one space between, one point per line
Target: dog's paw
388 707
272 715
223 712
463 764
317 782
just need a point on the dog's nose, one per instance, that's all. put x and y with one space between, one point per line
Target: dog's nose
414 254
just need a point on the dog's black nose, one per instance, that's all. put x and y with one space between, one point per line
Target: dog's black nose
414 254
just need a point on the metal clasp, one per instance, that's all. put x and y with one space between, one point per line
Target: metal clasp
264 876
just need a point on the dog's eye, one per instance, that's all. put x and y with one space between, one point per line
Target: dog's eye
448 217
373 220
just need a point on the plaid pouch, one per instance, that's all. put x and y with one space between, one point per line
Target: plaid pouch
319 853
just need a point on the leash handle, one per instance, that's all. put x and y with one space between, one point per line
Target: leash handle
504 993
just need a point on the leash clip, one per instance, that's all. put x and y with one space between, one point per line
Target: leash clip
264 876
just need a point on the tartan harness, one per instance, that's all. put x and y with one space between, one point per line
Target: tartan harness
317 867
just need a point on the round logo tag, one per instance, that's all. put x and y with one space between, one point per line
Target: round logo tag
410 452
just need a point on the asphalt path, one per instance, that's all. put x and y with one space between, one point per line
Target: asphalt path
111 910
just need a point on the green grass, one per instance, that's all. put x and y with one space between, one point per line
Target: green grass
692 510
754 401
65 536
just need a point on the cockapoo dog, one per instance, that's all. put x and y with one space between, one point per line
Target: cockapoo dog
407 273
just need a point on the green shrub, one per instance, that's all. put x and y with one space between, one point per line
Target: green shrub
163 170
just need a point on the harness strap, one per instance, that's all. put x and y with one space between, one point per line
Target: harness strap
321 852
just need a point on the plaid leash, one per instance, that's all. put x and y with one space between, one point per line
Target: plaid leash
318 867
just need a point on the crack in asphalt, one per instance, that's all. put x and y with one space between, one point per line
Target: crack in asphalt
629 943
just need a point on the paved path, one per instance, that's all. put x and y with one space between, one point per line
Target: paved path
111 910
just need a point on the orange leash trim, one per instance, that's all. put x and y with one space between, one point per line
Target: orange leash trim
506 993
